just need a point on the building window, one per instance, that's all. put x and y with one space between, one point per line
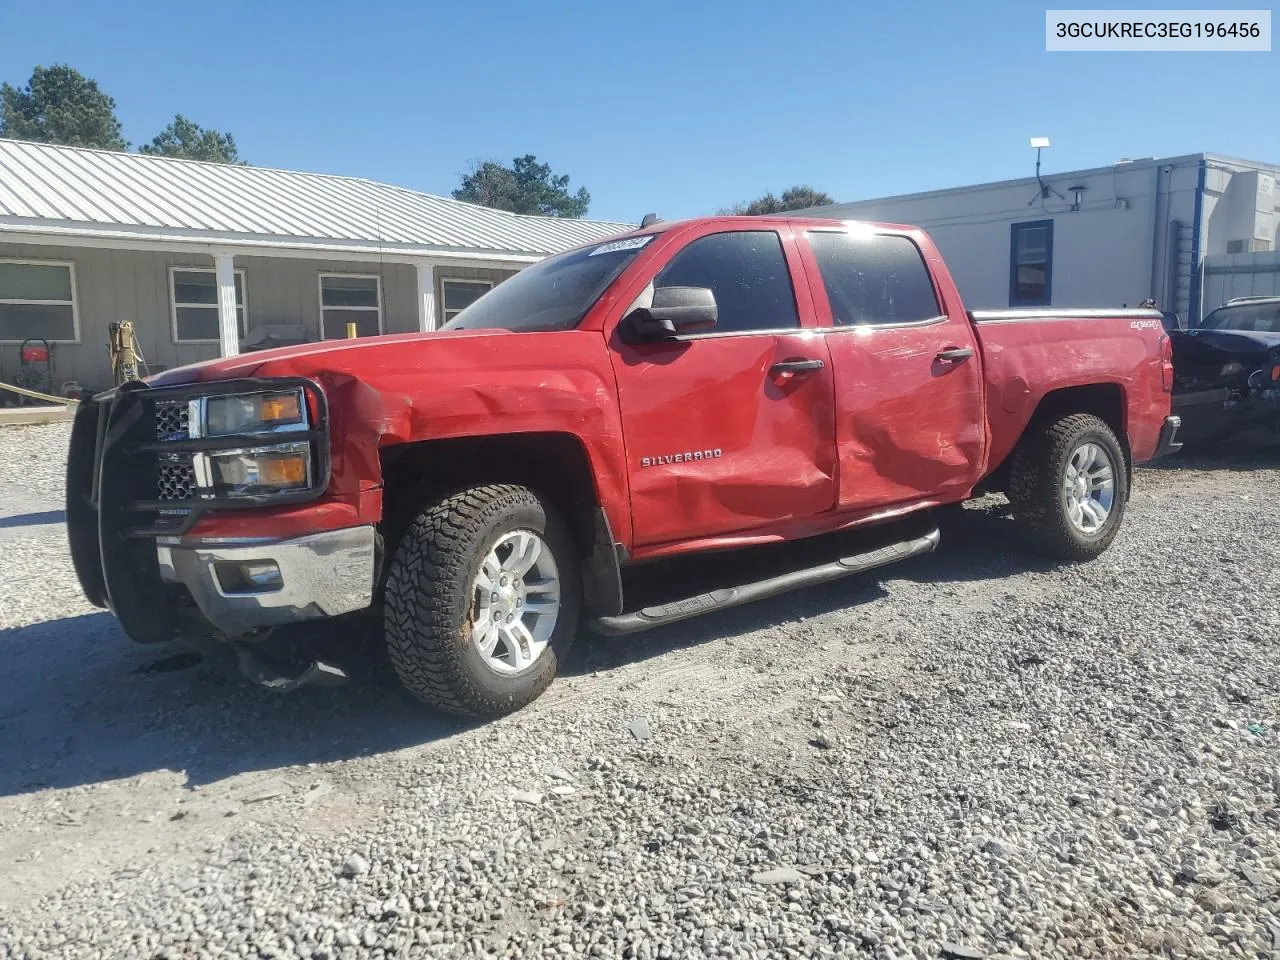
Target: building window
460 294
38 299
1256 245
350 298
194 295
873 280
1031 264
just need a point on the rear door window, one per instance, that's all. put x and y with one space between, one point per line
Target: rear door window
748 273
873 279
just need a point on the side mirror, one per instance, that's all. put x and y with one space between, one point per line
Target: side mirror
674 310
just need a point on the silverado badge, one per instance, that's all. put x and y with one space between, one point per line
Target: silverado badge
680 457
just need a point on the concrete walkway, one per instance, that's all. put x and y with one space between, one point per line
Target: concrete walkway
18 416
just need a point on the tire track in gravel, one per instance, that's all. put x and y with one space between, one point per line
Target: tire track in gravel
746 666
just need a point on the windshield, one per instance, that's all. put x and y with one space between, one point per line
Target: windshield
1264 317
553 294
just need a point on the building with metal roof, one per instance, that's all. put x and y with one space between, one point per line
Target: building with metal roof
205 258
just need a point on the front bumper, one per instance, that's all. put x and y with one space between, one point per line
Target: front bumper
130 491
320 575
1168 442
1218 414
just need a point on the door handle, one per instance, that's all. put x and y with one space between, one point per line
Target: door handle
954 354
788 368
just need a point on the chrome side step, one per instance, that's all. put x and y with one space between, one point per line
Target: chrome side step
722 599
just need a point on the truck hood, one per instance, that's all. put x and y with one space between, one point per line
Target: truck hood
1219 359
360 356
424 386
1238 342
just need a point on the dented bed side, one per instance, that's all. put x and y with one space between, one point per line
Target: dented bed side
1029 355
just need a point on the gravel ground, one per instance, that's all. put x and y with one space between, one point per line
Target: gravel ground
974 755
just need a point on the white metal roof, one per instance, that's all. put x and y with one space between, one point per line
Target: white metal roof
72 191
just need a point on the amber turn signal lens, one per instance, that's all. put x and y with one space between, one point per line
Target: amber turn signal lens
283 471
281 407
1275 373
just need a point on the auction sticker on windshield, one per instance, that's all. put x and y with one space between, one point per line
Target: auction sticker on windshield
633 243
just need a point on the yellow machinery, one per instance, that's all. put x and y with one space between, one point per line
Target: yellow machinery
123 351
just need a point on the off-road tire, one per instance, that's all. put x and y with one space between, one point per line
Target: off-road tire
1035 487
428 600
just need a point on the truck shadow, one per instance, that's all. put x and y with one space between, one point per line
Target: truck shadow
82 704
977 544
1242 455
33 519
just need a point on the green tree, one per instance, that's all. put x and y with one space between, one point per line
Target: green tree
60 105
799 197
185 138
527 186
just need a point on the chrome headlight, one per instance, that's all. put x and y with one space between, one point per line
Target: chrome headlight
257 471
276 459
250 413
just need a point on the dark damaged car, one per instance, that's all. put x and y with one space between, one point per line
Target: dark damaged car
1227 372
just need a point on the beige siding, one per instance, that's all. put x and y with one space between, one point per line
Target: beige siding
288 291
113 285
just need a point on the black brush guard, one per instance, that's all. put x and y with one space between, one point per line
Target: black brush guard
114 514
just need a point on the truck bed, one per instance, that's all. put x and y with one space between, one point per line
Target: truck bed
1030 353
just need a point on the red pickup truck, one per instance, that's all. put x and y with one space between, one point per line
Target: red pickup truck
677 394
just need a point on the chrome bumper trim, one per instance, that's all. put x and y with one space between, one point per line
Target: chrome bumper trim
324 575
1168 442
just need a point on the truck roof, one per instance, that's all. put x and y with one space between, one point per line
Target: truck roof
661 226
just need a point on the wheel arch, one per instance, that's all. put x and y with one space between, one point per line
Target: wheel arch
554 465
1105 400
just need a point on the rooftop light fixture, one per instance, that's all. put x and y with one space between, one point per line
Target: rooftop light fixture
1039 144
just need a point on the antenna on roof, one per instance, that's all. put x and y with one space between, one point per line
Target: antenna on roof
1046 191
382 268
648 219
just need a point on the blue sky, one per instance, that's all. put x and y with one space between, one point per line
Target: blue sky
675 107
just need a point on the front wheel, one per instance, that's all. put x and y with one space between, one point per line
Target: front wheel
482 601
1068 485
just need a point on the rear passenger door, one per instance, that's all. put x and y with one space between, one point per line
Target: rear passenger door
731 429
908 380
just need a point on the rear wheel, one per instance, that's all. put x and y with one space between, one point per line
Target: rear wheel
1068 485
482 601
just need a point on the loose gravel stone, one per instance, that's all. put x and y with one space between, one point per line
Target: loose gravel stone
355 866
778 875
958 951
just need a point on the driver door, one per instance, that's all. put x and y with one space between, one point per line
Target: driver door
730 429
